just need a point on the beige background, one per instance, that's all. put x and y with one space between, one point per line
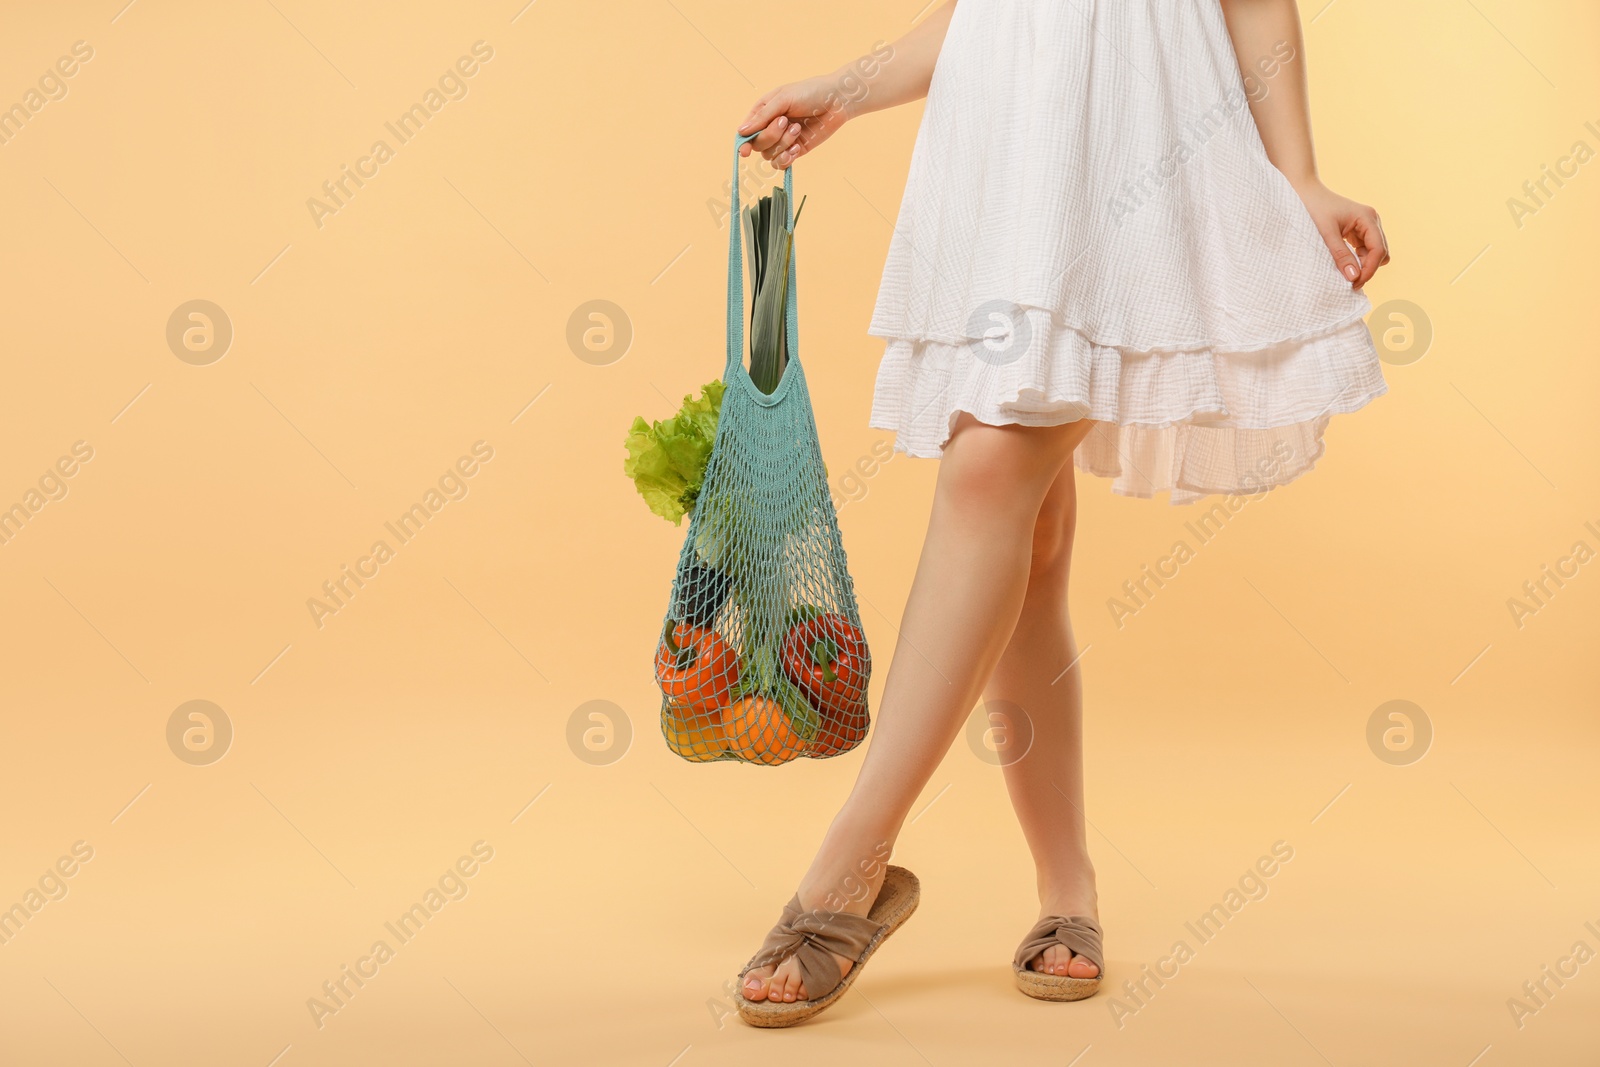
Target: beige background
432 710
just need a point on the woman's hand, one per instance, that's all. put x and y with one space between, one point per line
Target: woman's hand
1283 118
1340 219
794 119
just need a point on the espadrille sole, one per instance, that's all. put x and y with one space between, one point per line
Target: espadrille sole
1043 986
897 899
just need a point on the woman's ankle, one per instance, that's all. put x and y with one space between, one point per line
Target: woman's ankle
847 875
1068 887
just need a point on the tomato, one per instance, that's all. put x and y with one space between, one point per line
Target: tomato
695 667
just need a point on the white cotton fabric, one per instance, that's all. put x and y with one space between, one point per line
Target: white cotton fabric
1091 229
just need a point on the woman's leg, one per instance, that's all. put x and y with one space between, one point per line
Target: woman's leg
1040 740
969 588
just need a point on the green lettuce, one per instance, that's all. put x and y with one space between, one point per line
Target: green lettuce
667 458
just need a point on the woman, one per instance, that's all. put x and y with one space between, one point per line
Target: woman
1113 253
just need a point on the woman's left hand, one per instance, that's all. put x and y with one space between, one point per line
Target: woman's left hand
1340 219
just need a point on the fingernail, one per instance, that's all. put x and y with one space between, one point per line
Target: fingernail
783 120
1350 272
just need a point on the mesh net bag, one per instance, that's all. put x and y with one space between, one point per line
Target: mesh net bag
762 657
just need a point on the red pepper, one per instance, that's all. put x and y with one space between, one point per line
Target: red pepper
695 667
840 731
826 655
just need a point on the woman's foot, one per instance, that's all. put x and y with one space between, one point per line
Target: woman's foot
853 893
1077 899
1059 959
783 982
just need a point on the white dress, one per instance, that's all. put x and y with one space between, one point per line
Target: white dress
1091 229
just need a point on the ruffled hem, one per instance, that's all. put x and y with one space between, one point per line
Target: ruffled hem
996 310
1191 422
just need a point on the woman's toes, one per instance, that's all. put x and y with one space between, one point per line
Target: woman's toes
784 981
755 985
1058 959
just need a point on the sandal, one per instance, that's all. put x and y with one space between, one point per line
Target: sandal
812 936
1079 933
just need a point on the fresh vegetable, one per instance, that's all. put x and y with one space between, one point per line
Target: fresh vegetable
802 714
667 459
769 243
702 593
716 531
759 730
695 667
839 731
826 655
759 676
697 737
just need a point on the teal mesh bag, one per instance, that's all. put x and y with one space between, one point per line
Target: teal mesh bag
762 657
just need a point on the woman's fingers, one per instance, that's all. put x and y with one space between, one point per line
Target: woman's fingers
807 139
770 112
790 121
766 137
785 145
1343 258
1370 240
770 135
811 133
754 119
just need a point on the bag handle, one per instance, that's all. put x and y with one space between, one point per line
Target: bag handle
736 271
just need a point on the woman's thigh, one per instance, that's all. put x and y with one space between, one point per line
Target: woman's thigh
1006 466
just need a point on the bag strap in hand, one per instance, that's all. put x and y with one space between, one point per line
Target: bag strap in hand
736 270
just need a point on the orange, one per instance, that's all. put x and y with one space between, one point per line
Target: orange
759 731
691 735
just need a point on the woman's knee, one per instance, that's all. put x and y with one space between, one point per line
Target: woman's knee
997 470
1053 529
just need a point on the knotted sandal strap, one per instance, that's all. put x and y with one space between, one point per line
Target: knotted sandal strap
810 936
1078 932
